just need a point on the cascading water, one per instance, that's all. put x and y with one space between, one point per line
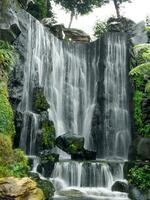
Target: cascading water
69 74
116 115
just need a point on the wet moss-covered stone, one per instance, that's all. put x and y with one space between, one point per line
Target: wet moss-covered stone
39 100
48 161
70 143
48 134
45 185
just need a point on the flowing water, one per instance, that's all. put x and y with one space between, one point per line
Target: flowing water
69 74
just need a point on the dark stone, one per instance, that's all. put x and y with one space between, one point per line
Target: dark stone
136 194
18 116
48 161
143 149
40 103
46 186
9 26
70 143
120 187
121 24
84 155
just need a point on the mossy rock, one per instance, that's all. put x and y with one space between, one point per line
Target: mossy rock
40 103
45 185
48 134
70 143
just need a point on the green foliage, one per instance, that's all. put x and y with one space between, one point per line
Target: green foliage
7 56
141 78
73 148
138 97
19 166
12 162
48 134
100 28
40 9
140 176
39 101
6 113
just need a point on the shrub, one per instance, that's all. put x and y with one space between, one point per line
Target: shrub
100 28
140 176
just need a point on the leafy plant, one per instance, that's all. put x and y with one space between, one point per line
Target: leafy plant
7 56
100 28
140 176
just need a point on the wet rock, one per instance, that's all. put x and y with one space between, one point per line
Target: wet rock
40 103
70 143
15 188
18 116
9 26
84 155
71 193
143 149
45 185
46 135
48 161
136 194
120 187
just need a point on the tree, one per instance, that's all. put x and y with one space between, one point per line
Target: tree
77 7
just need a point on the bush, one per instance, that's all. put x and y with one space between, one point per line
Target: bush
100 28
140 176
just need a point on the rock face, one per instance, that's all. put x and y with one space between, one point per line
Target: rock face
70 143
143 149
120 187
68 34
19 189
9 25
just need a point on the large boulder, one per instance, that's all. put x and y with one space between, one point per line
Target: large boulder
120 187
143 149
45 185
70 143
19 189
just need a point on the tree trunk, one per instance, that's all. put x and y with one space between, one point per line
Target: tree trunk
116 4
71 19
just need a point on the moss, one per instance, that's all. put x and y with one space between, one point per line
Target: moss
19 167
48 135
39 101
6 113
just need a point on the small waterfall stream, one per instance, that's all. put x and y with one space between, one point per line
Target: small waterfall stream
69 74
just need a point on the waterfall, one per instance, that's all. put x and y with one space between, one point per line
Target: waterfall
70 75
116 114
